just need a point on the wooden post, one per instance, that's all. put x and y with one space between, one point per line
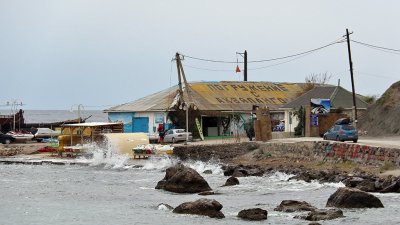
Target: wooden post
307 121
263 127
352 78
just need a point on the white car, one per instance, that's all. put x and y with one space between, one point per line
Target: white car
175 135
43 132
153 138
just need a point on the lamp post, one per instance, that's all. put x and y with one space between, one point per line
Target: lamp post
186 106
79 111
14 103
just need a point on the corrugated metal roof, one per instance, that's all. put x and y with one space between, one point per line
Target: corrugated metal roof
219 96
90 124
339 97
159 101
317 92
343 98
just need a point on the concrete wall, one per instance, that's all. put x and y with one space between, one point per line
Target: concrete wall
126 118
334 150
321 150
155 118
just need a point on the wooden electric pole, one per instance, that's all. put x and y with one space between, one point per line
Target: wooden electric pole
244 55
245 65
352 76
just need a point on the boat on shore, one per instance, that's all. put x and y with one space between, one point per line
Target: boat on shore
21 136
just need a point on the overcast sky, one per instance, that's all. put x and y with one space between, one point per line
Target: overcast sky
100 53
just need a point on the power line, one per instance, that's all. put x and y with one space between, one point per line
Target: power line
299 54
207 69
257 68
277 64
266 60
375 46
376 75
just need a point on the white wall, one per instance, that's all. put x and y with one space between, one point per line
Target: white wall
295 121
152 118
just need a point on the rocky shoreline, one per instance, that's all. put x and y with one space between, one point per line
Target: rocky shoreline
182 179
246 159
254 159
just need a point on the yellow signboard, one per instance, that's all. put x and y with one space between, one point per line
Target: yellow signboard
247 92
200 129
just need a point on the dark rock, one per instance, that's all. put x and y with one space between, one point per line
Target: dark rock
367 186
207 193
322 214
203 206
182 179
314 223
253 146
163 206
253 214
393 187
352 182
207 171
294 206
388 181
353 198
231 181
239 173
243 171
228 170
255 172
302 176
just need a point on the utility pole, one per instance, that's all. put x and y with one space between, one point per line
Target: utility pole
189 101
245 65
352 77
244 55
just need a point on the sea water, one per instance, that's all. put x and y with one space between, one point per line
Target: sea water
117 190
50 116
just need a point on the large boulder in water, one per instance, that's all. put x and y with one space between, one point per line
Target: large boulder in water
231 181
253 214
353 198
322 214
294 206
203 206
182 179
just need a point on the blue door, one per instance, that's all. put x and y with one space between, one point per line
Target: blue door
140 124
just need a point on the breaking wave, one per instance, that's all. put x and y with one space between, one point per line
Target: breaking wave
106 157
200 166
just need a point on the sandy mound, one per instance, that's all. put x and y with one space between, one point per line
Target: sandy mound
383 118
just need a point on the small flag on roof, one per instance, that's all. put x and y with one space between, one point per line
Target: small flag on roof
237 69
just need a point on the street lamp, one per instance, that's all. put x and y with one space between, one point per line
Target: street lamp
186 106
14 103
79 111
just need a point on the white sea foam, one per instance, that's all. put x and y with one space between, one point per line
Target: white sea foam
107 156
200 166
159 163
279 176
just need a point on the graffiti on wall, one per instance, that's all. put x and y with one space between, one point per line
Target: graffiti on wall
361 152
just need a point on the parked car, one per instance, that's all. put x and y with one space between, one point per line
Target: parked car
6 139
342 132
42 133
175 135
153 138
